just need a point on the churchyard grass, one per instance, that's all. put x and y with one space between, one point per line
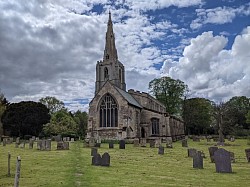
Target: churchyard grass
133 167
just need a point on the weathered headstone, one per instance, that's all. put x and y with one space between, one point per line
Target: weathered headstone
39 144
31 142
232 139
18 140
211 152
157 142
161 150
143 142
48 145
33 138
184 143
222 161
122 144
64 139
94 151
198 160
66 145
62 145
22 145
4 142
105 160
58 138
43 145
91 142
17 174
247 151
72 140
97 145
136 142
96 160
192 152
111 145
152 143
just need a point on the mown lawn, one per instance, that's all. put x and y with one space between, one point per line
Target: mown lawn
130 167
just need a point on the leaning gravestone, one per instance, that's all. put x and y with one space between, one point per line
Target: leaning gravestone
161 150
122 144
247 151
222 161
105 160
96 160
198 160
211 152
94 151
136 142
111 145
192 152
184 143
143 142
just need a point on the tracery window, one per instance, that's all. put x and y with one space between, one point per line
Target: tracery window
108 112
155 126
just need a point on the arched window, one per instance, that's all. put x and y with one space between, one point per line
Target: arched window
155 126
106 73
107 56
108 112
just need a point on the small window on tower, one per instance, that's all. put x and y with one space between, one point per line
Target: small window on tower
107 56
106 73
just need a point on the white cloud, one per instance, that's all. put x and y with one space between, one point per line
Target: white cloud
213 72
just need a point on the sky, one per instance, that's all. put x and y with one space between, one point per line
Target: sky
50 48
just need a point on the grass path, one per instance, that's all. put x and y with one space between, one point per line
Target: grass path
132 167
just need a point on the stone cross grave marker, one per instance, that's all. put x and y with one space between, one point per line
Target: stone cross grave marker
211 152
105 160
247 151
184 143
222 161
198 160
96 160
161 150
122 144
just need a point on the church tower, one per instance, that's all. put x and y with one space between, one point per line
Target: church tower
110 68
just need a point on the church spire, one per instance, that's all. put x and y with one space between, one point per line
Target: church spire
110 51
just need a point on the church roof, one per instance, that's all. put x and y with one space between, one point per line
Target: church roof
131 100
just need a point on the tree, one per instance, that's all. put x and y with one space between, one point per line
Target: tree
81 118
52 103
3 104
25 118
197 115
170 92
248 117
61 122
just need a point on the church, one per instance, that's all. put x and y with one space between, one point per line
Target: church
116 114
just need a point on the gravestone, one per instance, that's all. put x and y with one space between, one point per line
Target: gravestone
33 138
4 142
18 140
157 142
161 150
48 145
196 139
22 145
62 145
208 140
97 145
58 138
67 139
143 142
43 145
232 139
105 160
66 145
192 152
222 161
184 143
94 151
122 144
211 152
232 157
91 142
136 142
247 151
64 139
96 160
111 145
39 144
152 143
31 142
37 138
16 145
198 160
72 140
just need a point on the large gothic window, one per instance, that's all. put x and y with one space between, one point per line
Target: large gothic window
155 126
106 73
108 112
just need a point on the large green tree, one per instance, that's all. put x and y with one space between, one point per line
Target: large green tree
25 118
248 117
3 104
52 103
197 115
61 122
81 118
170 92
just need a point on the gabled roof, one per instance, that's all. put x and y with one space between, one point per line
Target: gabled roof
131 100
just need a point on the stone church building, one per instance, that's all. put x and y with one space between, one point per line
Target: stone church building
115 113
